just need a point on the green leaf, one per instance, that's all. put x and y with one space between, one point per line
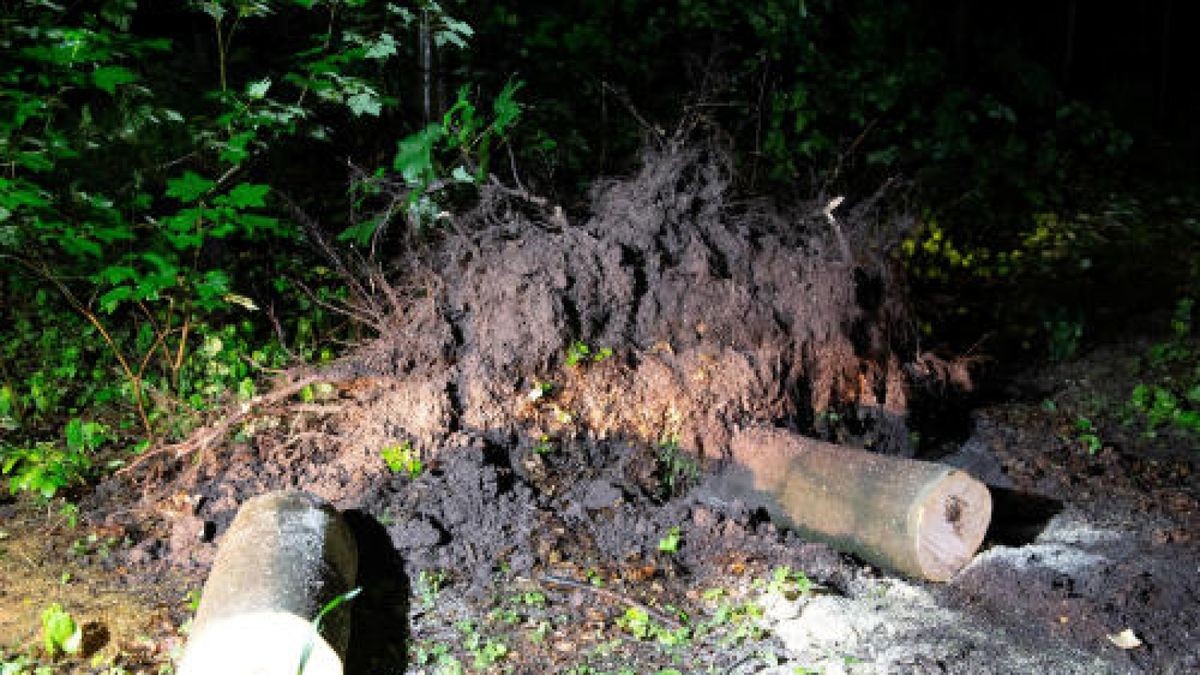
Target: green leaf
34 161
505 107
165 267
382 48
333 604
257 90
59 631
359 233
414 157
460 174
113 298
212 287
365 103
234 150
115 274
670 542
79 246
189 187
74 432
247 195
108 78
252 223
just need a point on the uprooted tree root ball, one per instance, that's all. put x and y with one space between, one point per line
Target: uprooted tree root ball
548 374
667 320
533 414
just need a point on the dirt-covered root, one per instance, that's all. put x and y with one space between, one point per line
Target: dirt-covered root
698 315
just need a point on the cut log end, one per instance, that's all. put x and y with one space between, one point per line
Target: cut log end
951 520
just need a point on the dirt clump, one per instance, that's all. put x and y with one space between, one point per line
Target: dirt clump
697 314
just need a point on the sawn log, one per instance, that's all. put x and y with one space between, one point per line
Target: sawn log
922 519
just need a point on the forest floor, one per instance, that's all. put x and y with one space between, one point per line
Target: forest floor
560 519
507 560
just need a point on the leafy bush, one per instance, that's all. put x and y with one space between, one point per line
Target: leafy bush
154 254
45 467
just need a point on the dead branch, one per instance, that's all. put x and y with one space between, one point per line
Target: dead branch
205 438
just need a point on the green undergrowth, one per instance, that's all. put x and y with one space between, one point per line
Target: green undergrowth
1141 395
159 255
625 628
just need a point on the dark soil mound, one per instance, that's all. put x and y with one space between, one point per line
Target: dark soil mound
698 315
716 315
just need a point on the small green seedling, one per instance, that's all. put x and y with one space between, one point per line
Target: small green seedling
403 458
60 632
579 351
670 543
637 622
487 655
429 585
191 600
333 604
677 470
788 583
540 390
544 446
1086 433
576 352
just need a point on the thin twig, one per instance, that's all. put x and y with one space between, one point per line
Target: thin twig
313 230
372 319
610 595
205 438
279 333
624 99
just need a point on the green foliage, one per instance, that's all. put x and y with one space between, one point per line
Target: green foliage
789 583
670 542
20 665
429 585
1172 396
60 633
489 653
403 458
1159 406
439 657
544 446
144 223
738 621
1063 336
677 470
1086 433
44 468
1032 276
432 161
637 622
579 352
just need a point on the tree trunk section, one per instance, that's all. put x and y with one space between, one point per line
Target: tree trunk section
922 519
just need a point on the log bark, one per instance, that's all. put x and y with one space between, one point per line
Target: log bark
921 519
